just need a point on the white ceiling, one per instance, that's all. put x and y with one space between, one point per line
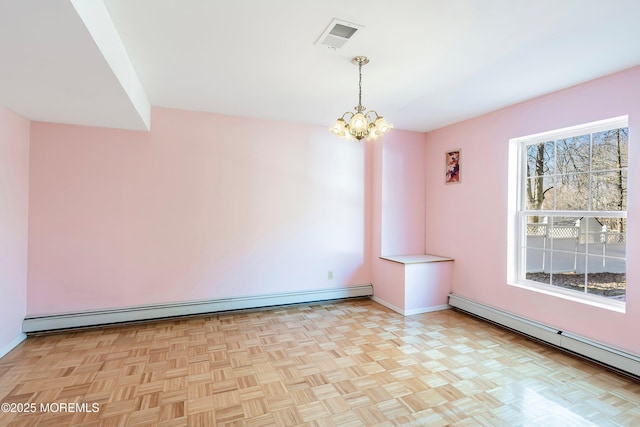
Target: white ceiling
433 62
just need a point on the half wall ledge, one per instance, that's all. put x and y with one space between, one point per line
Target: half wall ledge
416 259
424 280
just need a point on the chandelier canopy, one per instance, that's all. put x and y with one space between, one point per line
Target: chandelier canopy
362 124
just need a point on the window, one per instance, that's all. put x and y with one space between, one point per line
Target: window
571 209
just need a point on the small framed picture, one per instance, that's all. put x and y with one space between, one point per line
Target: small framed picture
452 167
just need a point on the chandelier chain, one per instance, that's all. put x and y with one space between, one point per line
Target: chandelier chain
360 85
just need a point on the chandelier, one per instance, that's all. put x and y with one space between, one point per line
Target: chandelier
362 124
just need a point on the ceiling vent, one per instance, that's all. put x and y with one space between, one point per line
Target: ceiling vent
337 34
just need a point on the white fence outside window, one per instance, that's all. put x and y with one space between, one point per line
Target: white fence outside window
574 249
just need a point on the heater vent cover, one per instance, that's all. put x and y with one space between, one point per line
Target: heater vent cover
337 34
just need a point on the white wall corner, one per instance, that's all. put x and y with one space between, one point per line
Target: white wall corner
12 344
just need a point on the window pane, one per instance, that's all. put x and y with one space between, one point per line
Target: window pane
565 262
539 277
573 154
609 191
564 233
537 261
605 236
591 233
610 149
615 231
572 192
606 277
567 257
540 159
568 270
540 193
536 232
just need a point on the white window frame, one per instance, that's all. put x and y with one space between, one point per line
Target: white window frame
516 271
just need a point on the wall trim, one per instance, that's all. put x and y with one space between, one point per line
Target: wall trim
595 351
412 311
88 318
426 309
12 344
386 304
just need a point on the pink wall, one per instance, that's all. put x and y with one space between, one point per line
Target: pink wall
468 222
204 206
14 202
397 188
403 193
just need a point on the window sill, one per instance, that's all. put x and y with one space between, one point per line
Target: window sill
593 300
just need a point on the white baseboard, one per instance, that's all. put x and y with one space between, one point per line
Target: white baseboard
598 352
12 344
157 311
410 312
386 304
426 309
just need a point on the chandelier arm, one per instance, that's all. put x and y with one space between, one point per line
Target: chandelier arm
372 112
345 115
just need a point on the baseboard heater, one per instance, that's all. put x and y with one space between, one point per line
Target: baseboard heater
597 352
90 318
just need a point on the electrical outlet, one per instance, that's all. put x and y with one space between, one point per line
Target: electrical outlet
330 275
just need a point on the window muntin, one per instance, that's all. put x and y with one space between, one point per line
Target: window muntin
572 210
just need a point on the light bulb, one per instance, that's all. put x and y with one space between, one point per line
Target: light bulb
339 127
358 123
382 125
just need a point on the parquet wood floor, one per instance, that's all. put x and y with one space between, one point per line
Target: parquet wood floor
350 363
